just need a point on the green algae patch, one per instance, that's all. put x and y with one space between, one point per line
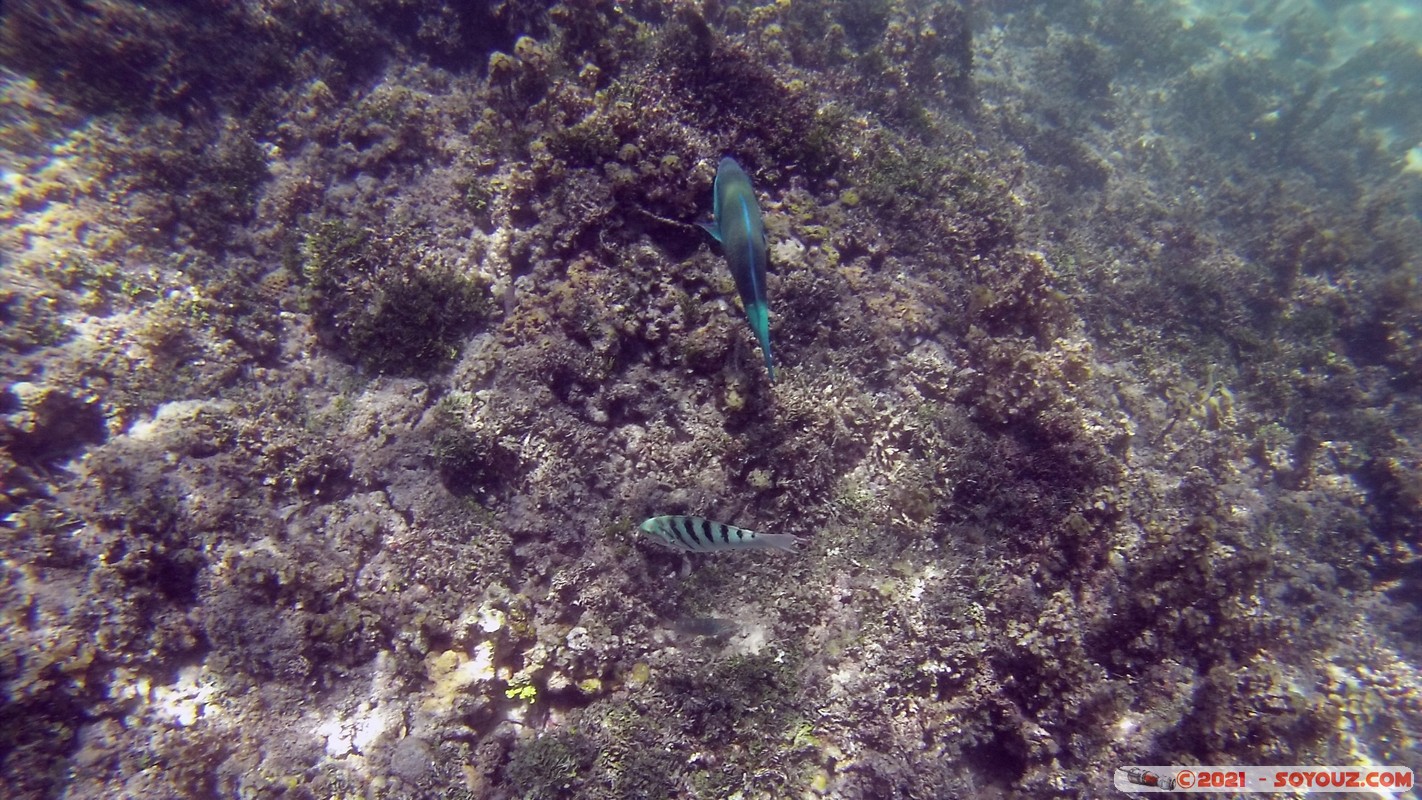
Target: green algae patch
550 766
379 302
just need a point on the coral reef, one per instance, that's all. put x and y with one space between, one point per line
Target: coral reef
335 385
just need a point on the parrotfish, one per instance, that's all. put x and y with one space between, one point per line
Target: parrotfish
701 535
739 229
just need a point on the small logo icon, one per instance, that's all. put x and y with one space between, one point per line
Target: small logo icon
1144 777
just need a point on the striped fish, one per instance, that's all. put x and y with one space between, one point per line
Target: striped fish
739 229
701 535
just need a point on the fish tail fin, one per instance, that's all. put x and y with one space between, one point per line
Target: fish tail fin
759 317
780 541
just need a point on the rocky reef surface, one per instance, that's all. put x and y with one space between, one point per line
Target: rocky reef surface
345 345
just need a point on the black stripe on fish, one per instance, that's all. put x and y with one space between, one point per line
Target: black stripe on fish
683 533
698 529
703 527
669 532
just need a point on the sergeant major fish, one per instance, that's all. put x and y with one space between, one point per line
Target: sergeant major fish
700 535
739 229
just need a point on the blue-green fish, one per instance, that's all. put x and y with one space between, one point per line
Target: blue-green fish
739 229
701 535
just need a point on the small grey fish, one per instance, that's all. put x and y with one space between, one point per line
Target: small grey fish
701 535
715 627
